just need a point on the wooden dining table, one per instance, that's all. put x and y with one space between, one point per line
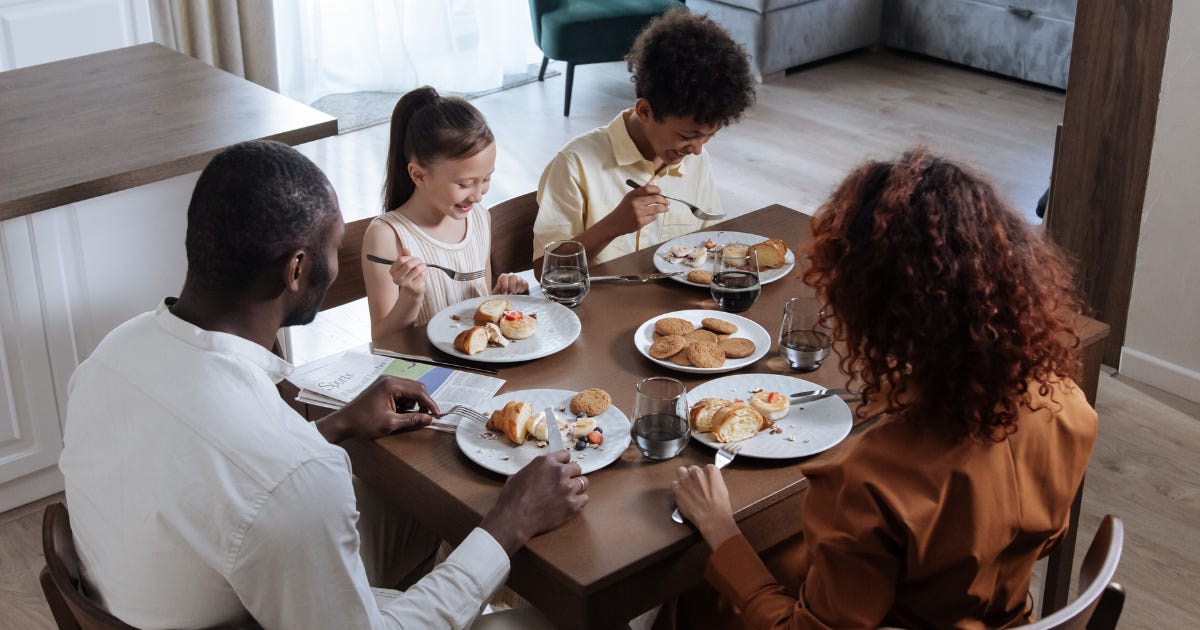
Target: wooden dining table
622 554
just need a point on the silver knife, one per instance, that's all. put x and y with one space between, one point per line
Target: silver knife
646 277
554 437
836 391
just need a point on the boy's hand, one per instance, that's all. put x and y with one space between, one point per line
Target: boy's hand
639 207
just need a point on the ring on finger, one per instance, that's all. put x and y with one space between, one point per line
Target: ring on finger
582 484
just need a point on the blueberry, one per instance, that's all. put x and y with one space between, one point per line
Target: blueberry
599 428
581 415
581 444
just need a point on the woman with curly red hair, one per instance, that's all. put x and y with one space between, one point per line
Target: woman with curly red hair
958 321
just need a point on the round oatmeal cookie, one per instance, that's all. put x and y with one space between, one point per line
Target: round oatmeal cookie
706 355
681 358
592 402
719 326
667 345
673 326
738 347
697 336
700 276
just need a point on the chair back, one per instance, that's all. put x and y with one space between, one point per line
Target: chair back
1100 600
512 234
349 285
61 583
72 609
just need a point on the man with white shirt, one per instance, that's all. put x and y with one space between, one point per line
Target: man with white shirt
199 497
691 79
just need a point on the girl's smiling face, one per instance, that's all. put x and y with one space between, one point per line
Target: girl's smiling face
453 187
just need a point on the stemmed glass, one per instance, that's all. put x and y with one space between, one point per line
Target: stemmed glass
660 428
565 272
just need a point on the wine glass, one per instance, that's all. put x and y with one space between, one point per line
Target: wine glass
565 272
660 427
735 284
804 339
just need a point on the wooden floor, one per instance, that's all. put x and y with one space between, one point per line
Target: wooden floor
805 132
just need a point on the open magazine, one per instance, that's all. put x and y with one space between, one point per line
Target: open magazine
337 379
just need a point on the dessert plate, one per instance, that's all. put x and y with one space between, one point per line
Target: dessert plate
557 328
747 329
697 239
496 453
807 429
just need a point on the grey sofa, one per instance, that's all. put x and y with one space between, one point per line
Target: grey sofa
1027 39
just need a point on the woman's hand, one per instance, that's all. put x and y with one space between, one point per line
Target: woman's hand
408 272
510 284
703 499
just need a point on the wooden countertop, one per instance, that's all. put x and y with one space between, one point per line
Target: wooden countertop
89 126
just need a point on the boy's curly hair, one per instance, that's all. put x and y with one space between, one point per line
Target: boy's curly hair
687 65
945 299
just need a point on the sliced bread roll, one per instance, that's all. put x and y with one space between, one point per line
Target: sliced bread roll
772 254
736 422
512 420
471 340
701 414
489 311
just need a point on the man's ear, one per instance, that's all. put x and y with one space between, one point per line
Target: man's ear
296 271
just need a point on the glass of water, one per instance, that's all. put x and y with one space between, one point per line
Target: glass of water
565 272
735 285
660 427
804 340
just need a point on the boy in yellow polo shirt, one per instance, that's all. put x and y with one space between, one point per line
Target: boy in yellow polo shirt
691 79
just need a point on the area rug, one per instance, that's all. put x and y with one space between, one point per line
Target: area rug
364 109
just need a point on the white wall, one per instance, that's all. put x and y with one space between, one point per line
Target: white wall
40 31
1162 338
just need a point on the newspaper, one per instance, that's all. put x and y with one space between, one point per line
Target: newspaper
336 380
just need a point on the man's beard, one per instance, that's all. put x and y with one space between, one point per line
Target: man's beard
310 305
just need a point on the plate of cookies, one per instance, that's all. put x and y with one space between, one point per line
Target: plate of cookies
593 429
702 341
692 253
503 328
755 411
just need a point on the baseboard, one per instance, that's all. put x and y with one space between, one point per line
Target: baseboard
1164 375
29 488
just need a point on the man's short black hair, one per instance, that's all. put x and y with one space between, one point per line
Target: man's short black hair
254 204
688 66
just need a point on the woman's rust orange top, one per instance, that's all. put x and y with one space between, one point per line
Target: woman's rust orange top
906 528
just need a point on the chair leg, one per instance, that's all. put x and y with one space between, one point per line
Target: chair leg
542 72
570 81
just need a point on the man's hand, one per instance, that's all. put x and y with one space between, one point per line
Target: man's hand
510 284
541 496
381 409
638 208
703 499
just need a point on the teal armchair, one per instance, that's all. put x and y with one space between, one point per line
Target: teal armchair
589 31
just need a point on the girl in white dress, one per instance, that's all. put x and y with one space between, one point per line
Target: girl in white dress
440 162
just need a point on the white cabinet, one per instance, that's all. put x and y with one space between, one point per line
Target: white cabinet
41 31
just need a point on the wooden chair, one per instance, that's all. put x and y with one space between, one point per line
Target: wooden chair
349 285
71 607
1100 600
512 234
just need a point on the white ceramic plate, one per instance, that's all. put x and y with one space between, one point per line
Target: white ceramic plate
697 239
502 456
747 328
808 429
557 328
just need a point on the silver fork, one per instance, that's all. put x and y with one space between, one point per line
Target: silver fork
696 211
461 276
464 411
725 455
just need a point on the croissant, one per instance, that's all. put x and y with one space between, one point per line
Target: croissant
512 420
735 422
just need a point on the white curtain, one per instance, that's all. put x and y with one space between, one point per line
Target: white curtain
336 46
